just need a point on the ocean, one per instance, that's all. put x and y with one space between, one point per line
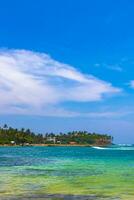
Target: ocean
66 173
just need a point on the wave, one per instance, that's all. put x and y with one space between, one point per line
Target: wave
99 148
121 148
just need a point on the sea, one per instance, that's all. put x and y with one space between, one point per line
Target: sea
80 173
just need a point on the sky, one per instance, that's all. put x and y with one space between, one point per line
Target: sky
68 65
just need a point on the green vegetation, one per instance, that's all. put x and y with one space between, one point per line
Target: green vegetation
9 135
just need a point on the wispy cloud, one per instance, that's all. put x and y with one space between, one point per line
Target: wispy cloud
34 83
114 67
131 84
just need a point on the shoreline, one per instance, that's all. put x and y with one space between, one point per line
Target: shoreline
54 145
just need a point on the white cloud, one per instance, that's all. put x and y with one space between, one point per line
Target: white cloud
32 82
131 83
115 67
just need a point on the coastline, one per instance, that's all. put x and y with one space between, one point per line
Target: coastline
53 145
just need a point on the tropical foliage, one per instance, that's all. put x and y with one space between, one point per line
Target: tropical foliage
9 135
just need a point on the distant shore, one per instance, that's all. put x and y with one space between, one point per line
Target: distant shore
52 145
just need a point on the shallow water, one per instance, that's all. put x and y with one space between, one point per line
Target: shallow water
66 173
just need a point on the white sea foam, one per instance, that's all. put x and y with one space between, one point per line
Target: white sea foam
119 147
99 148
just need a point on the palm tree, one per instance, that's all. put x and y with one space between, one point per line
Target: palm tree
5 126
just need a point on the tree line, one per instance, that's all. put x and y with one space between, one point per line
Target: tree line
9 135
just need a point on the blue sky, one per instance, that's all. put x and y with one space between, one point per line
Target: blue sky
68 65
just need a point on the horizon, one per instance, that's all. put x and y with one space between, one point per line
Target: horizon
68 66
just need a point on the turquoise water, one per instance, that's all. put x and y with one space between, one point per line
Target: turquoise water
66 173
